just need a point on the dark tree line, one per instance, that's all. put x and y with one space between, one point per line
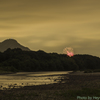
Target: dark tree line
18 60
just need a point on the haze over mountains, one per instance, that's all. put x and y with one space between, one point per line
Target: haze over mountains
11 43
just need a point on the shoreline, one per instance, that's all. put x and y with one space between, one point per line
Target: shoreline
73 78
71 85
7 73
82 73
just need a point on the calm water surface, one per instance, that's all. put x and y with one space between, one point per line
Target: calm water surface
21 79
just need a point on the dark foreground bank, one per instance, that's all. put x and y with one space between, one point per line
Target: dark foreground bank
71 87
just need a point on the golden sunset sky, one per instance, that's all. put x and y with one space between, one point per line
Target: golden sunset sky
52 25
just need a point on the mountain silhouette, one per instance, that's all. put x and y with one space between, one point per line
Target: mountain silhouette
11 43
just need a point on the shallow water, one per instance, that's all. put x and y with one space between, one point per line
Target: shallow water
21 79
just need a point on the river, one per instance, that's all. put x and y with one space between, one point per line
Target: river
21 79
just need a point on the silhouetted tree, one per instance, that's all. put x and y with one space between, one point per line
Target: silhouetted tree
19 60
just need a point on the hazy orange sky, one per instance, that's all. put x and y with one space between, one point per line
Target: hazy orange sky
52 25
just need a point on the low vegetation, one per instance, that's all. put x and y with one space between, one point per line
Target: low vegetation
49 95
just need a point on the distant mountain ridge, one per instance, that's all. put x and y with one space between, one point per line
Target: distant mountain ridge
11 43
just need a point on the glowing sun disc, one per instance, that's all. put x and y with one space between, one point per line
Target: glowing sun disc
68 51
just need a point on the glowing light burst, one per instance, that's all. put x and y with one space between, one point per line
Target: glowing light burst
68 51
